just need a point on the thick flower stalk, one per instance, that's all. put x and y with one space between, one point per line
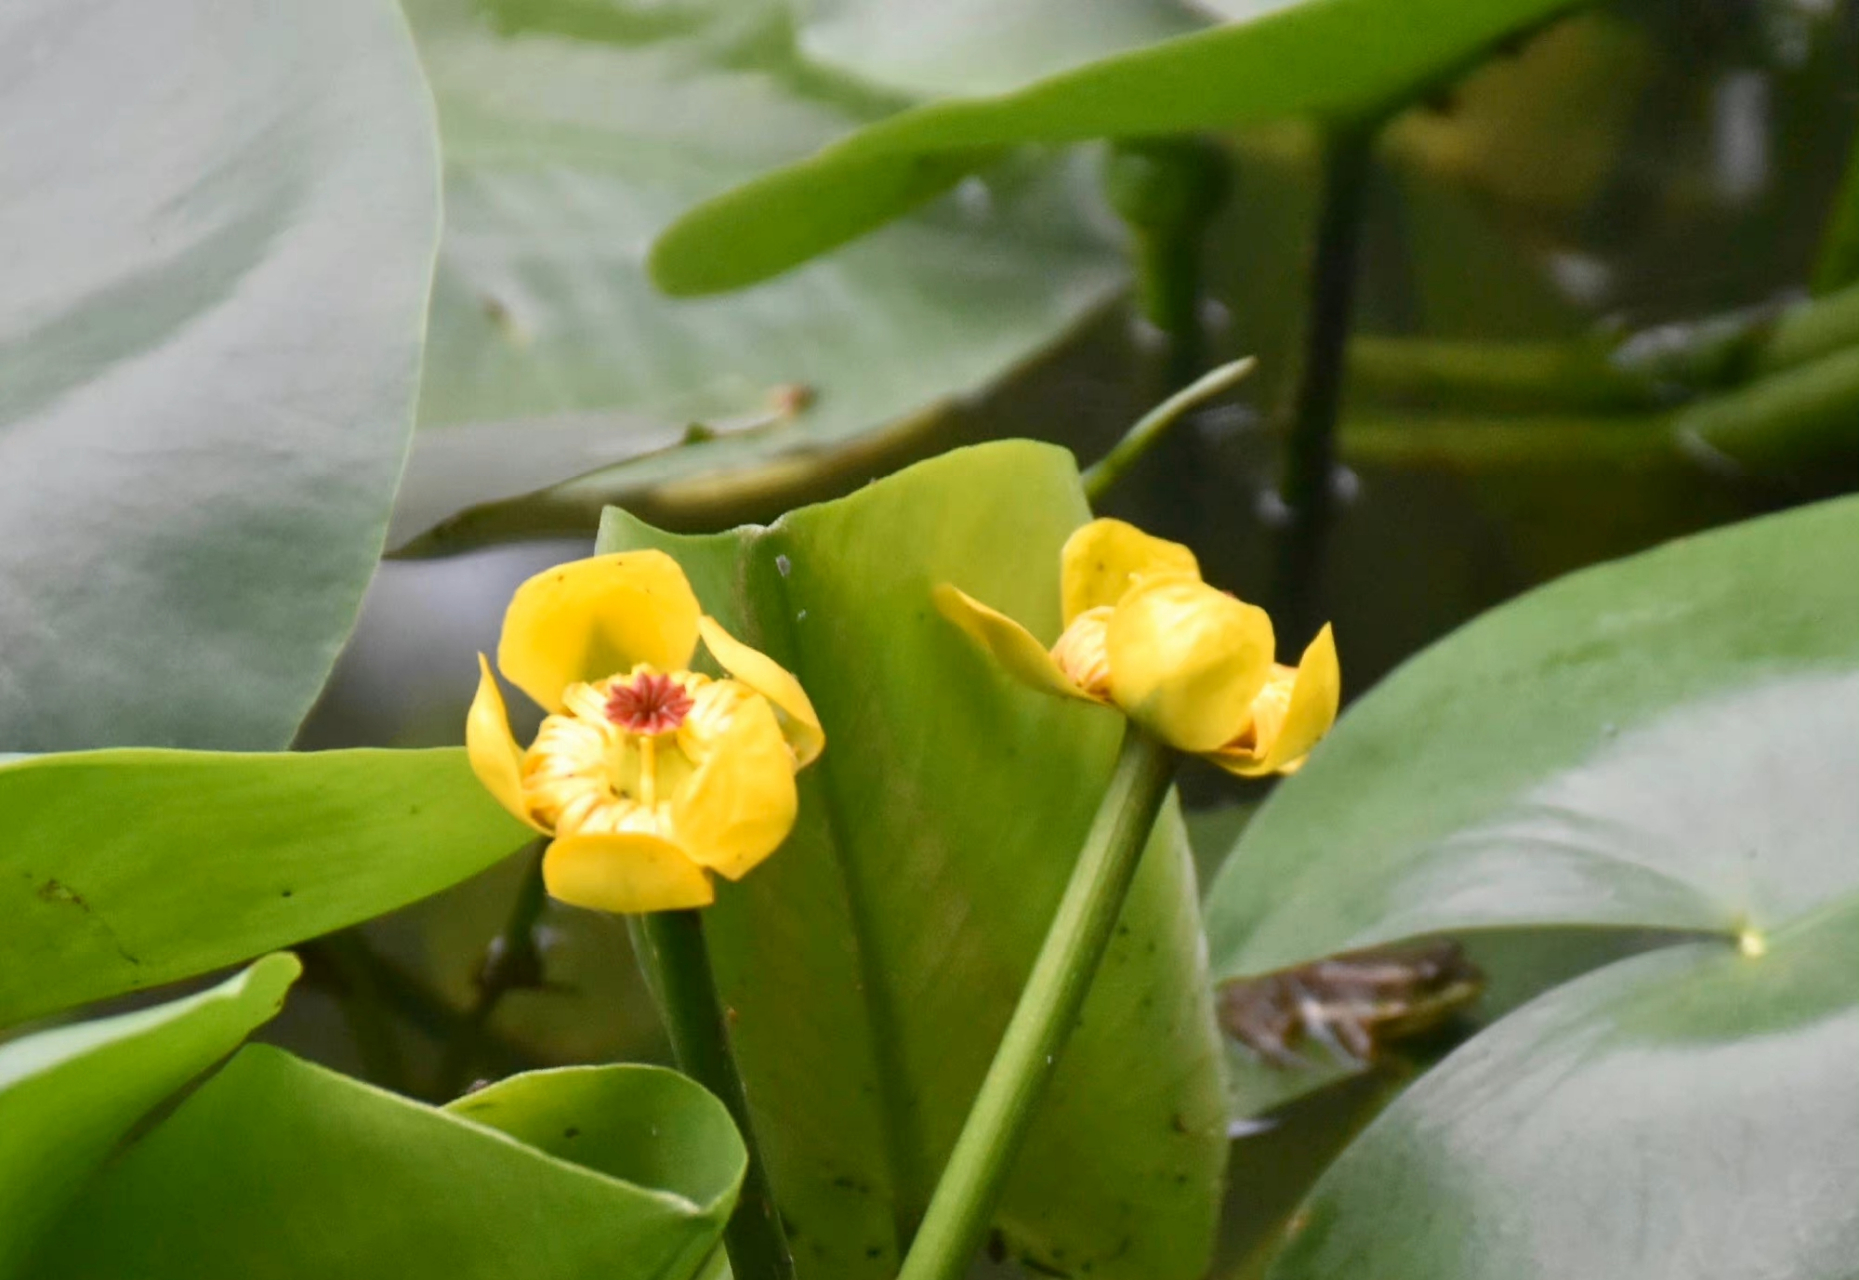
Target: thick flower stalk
649 777
1192 665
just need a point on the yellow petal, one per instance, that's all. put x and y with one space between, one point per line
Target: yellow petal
1103 560
629 874
591 618
739 804
1186 661
1315 695
1009 643
491 747
800 721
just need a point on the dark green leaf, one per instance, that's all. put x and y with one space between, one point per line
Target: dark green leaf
219 220
873 962
126 869
1325 58
68 1096
279 1170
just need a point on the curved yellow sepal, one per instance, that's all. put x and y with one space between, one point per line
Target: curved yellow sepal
588 619
491 747
740 803
1316 693
1009 643
1104 559
801 722
628 874
1186 661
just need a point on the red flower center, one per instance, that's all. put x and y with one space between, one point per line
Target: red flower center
649 703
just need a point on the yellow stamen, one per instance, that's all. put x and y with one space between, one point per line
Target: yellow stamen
648 771
1750 943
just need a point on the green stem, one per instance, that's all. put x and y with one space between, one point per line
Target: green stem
1310 453
1167 191
971 1182
671 946
1838 264
1102 476
1168 287
1645 371
510 962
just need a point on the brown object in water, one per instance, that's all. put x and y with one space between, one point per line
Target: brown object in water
1356 1003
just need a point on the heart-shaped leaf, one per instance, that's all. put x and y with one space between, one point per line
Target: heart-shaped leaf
1325 58
69 1095
279 1169
873 962
220 217
125 869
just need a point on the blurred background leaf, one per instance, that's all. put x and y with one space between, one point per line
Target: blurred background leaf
208 355
1321 58
574 133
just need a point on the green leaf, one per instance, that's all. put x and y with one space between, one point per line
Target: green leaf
1668 743
569 145
1689 1112
278 1169
68 1096
873 962
1664 742
209 343
981 46
1324 58
126 869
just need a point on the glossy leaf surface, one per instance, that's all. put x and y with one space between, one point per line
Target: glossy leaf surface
1324 58
277 1168
570 143
209 345
1689 1113
1669 743
125 869
872 963
68 1096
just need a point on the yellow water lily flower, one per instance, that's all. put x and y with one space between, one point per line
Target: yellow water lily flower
649 776
1189 663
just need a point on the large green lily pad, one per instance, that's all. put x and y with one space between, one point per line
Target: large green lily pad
571 142
1687 1113
871 965
278 1169
68 1096
220 218
1663 742
125 869
1666 743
